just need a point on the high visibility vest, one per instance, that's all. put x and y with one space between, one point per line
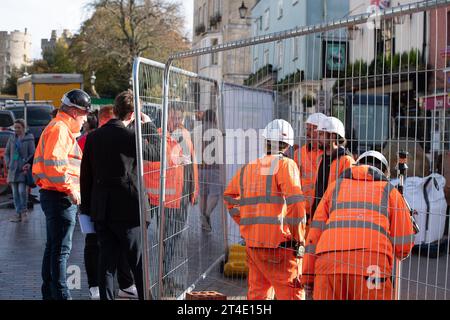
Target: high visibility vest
174 176
361 211
191 152
57 159
308 161
265 199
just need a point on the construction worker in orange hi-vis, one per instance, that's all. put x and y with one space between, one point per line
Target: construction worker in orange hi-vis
265 199
360 226
308 159
334 160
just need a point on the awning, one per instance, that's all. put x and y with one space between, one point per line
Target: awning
388 89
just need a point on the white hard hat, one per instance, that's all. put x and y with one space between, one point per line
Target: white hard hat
332 125
374 154
279 130
315 119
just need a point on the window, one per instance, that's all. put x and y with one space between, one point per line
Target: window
267 19
266 57
280 9
280 54
448 28
214 56
255 64
260 23
295 48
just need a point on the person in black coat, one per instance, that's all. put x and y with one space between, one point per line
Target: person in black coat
109 191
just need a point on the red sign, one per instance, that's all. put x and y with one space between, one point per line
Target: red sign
437 102
381 4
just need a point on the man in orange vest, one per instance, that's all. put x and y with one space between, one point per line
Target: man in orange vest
265 199
308 159
56 170
361 225
182 188
335 159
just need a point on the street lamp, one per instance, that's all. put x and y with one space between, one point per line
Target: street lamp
94 92
243 10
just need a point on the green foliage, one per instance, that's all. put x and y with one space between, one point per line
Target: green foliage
262 73
290 80
10 87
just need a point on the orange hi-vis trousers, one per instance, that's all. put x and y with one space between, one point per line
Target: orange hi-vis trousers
351 287
273 272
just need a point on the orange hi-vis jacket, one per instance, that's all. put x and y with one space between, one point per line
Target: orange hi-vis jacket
361 216
265 199
308 162
174 176
342 161
191 153
58 156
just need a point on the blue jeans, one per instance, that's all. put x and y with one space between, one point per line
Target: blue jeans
20 196
60 216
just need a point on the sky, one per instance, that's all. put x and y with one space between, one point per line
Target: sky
40 17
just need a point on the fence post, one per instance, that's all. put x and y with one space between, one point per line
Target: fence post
140 175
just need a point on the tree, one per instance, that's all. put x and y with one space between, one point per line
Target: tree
119 31
11 83
58 59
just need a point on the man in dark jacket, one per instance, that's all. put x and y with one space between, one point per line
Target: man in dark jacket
109 192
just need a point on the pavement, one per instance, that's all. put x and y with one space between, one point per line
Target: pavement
22 246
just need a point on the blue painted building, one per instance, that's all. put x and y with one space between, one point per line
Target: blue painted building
303 53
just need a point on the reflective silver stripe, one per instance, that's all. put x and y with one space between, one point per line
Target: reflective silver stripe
231 200
311 249
358 205
308 176
295 199
76 150
403 240
294 221
241 181
75 180
336 193
269 178
308 187
318 225
357 225
74 162
382 208
385 199
260 200
260 220
51 179
153 191
234 212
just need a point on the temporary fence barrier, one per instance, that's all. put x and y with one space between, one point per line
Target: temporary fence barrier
383 74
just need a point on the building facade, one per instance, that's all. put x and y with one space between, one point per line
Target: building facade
297 61
15 51
50 44
217 22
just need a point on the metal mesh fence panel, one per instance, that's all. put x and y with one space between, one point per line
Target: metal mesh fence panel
382 76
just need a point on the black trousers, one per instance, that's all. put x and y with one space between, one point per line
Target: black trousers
91 263
113 239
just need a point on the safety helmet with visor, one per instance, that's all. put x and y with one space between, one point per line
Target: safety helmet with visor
77 99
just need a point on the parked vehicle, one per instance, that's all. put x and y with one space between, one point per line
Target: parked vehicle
37 117
6 124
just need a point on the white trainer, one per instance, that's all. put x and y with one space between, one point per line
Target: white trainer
129 293
94 293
